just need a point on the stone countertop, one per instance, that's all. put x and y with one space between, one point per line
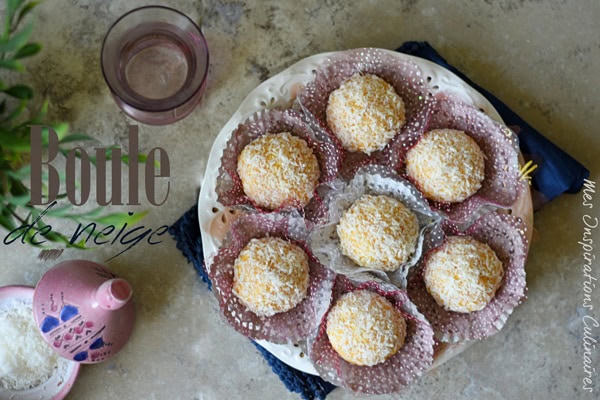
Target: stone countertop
541 57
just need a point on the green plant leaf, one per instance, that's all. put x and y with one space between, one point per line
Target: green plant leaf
30 49
56 237
41 114
20 174
141 159
51 235
118 219
60 238
18 40
60 212
64 212
17 188
61 130
16 112
125 157
93 159
26 10
11 8
14 143
76 137
20 92
90 215
20 201
7 220
12 64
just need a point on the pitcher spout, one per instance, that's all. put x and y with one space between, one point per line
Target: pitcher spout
113 294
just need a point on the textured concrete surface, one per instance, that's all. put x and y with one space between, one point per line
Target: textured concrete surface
542 57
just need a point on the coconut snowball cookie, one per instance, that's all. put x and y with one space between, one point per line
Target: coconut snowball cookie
378 232
365 113
364 328
271 276
463 274
447 165
373 340
278 170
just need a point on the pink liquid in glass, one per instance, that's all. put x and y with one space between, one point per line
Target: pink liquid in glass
156 68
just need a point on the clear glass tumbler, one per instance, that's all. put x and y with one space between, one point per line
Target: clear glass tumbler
155 62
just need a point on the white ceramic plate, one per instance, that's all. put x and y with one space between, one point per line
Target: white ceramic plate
280 91
61 381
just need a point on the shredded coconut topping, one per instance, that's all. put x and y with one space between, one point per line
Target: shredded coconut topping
378 232
26 360
278 170
463 274
364 328
447 165
365 113
271 276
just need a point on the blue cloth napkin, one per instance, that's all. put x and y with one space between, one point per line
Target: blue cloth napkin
557 173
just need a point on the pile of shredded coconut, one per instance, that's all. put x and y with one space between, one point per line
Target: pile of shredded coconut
26 360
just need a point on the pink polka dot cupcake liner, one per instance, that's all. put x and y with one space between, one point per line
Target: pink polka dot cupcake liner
291 326
398 371
505 235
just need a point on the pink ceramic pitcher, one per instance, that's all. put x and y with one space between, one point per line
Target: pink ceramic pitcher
83 311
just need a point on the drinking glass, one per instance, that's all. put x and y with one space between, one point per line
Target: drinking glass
155 62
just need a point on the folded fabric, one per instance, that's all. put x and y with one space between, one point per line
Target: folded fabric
557 173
